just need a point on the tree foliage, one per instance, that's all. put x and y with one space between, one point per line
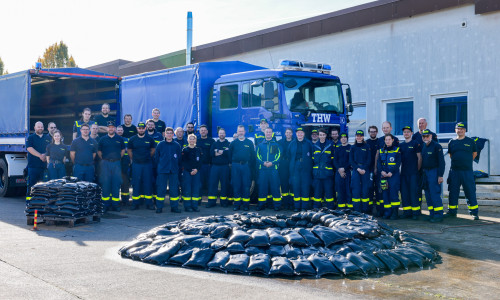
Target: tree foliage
1 66
56 56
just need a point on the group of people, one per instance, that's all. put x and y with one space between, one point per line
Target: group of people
291 173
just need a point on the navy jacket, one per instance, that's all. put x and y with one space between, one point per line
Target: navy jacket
389 160
168 157
323 160
432 157
342 157
305 160
268 151
360 156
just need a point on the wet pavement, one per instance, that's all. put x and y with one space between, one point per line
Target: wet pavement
82 263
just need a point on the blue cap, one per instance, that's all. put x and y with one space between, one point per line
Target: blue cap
111 123
407 127
426 132
460 125
360 132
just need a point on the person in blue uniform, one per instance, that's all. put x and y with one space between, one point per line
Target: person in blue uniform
56 155
242 154
204 142
388 163
284 170
83 152
103 119
323 151
343 174
141 149
360 159
168 161
36 145
86 114
159 124
268 156
411 162
463 151
189 130
125 163
111 149
219 173
259 137
422 125
433 169
157 137
129 129
179 137
374 194
191 182
300 153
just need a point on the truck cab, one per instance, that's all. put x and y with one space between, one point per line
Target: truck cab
296 95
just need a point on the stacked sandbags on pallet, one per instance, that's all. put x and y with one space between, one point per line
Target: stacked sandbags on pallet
65 198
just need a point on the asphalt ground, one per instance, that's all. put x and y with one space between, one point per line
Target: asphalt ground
58 262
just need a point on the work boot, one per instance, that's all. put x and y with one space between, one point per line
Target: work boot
195 209
175 210
476 217
260 207
236 208
159 210
188 209
437 219
134 207
210 205
450 215
150 207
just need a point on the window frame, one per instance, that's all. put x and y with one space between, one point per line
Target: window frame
433 102
237 96
397 100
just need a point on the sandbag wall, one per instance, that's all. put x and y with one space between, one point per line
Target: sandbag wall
311 243
65 198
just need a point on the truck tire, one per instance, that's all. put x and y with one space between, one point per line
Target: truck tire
5 190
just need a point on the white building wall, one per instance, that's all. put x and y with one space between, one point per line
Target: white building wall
417 58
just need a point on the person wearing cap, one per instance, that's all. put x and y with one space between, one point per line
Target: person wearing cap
125 163
323 173
242 154
268 154
219 172
204 142
82 153
343 174
433 169
260 136
463 151
359 159
191 182
388 163
111 149
411 162
374 194
284 170
141 149
314 136
300 152
168 161
422 125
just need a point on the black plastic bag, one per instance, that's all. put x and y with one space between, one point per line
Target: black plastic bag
302 266
295 239
259 239
235 248
329 236
362 263
181 257
222 231
239 236
281 266
292 252
276 250
219 244
238 263
219 261
200 258
163 254
310 238
202 243
254 250
323 265
260 263
275 237
344 265
391 263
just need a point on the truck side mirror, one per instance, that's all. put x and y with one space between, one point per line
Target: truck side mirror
269 105
268 90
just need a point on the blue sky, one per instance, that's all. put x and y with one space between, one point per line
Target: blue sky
101 31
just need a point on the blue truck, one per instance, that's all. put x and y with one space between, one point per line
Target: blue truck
225 94
217 94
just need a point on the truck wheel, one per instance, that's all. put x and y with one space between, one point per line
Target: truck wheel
5 191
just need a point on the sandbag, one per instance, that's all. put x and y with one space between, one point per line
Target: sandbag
163 254
239 236
219 261
259 239
260 263
181 257
344 265
323 265
328 236
302 266
275 237
235 248
281 266
310 238
200 258
238 263
295 239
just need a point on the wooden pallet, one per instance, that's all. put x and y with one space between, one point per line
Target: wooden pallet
71 221
30 220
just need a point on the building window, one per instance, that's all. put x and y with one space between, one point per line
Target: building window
357 121
400 114
229 96
450 110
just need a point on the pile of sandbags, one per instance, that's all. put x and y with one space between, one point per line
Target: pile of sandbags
311 243
65 198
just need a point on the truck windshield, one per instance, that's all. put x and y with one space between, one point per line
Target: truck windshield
313 94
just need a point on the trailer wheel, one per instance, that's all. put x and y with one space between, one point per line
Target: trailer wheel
5 191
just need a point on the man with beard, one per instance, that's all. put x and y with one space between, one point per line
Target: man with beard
36 145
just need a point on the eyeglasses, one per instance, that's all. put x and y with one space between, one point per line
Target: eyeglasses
190 127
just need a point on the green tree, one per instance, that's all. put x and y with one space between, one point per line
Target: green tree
1 66
56 56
